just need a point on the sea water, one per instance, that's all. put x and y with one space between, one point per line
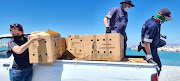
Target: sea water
167 58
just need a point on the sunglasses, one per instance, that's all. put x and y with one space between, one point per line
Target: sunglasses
15 26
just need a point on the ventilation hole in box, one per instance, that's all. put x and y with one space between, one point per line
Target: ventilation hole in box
91 40
92 52
97 39
80 50
70 49
110 51
46 54
110 39
71 39
80 40
104 51
33 54
103 39
98 52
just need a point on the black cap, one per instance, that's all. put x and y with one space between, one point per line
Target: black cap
166 13
129 2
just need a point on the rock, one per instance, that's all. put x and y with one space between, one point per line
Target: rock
165 48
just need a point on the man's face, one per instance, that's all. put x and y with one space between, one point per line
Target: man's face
15 32
126 5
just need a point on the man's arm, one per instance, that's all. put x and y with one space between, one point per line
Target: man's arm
109 16
108 29
149 56
148 39
147 47
106 21
20 49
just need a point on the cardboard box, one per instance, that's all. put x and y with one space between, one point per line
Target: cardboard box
46 50
76 45
106 47
63 45
137 60
66 39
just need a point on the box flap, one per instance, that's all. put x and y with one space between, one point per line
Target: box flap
51 32
40 33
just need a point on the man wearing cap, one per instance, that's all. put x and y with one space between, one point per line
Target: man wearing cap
150 36
18 45
118 20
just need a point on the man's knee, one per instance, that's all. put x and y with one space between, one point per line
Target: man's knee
162 43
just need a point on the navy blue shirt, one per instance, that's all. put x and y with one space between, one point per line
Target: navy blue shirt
151 32
21 61
118 19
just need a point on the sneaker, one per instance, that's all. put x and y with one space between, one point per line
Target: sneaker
139 47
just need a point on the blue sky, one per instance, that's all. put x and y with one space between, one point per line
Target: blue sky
80 17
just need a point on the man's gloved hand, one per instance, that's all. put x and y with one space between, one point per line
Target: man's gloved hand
108 29
164 36
126 38
149 58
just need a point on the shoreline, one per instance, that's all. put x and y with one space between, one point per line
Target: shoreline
163 49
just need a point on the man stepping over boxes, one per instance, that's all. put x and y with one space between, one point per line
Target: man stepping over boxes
118 20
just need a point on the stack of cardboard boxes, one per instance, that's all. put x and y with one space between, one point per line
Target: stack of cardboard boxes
101 47
105 47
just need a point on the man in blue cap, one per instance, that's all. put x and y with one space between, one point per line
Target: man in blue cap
150 36
118 20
